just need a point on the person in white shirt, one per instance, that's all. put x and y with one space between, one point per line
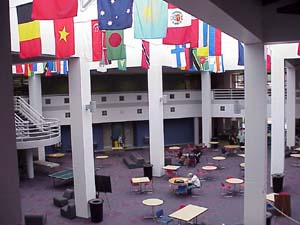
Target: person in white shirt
193 182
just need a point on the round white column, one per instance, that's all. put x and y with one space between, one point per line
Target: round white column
206 108
29 163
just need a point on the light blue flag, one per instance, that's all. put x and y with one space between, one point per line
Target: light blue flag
150 19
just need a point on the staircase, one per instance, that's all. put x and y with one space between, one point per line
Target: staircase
32 129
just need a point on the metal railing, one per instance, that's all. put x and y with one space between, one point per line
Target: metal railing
231 94
34 127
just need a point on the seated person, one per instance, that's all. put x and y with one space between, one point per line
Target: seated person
181 161
180 154
197 153
193 182
191 159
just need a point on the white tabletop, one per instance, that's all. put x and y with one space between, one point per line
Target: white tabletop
242 165
153 202
188 212
171 167
184 179
101 156
174 148
231 146
297 149
271 197
117 148
295 155
218 158
234 181
137 180
242 155
209 168
213 142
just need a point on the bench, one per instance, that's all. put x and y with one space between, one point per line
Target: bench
45 166
134 160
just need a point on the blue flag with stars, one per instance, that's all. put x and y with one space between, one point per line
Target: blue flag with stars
114 14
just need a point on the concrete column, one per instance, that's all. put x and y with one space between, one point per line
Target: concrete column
277 112
256 135
206 108
290 106
81 135
10 207
29 163
36 101
156 114
196 130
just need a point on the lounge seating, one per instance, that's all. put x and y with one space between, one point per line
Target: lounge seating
68 211
134 160
38 219
62 201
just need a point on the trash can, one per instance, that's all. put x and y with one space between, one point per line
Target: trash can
268 218
148 170
277 180
96 208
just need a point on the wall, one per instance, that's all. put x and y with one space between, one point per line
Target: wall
141 131
179 131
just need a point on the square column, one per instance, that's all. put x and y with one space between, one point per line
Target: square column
10 207
255 135
291 105
196 130
206 108
81 135
156 113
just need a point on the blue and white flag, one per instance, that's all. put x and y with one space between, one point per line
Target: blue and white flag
114 14
241 54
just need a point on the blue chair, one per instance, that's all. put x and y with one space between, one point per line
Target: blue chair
182 189
161 218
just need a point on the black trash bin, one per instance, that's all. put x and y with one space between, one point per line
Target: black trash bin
96 208
277 180
148 170
268 218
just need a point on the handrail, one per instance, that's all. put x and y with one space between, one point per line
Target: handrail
35 127
231 94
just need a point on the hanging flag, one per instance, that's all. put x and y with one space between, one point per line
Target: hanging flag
64 37
49 68
200 63
29 69
203 51
29 32
179 53
150 19
241 54
54 9
97 42
214 41
179 29
122 65
268 59
145 64
115 45
216 64
114 15
18 69
199 34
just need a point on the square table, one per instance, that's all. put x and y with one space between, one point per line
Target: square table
140 181
171 167
188 213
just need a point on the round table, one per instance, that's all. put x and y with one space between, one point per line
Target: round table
152 202
174 148
231 148
242 165
56 155
234 181
102 157
172 180
218 159
209 169
297 156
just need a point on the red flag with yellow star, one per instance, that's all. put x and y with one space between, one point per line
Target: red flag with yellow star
64 37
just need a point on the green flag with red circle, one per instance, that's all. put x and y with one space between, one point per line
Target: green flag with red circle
115 45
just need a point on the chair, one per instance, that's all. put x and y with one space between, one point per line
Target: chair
225 189
62 201
135 187
171 173
201 173
160 218
149 184
38 219
182 189
68 211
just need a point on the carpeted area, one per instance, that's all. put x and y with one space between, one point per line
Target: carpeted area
127 207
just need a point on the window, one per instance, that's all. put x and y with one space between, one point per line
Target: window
187 95
67 115
222 108
172 109
139 111
103 99
47 101
172 96
104 113
66 100
138 97
121 98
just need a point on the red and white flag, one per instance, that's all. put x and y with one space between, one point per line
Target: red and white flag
179 26
145 55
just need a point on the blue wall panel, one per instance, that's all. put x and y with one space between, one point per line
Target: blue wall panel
141 130
179 131
98 136
66 138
